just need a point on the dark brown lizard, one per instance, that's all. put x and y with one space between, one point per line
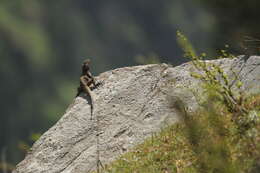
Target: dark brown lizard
87 83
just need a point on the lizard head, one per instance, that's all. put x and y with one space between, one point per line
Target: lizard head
85 66
86 62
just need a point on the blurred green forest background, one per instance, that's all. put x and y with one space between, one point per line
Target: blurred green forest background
42 45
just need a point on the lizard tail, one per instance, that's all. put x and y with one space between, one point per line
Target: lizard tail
88 91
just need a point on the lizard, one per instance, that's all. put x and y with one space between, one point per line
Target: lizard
87 83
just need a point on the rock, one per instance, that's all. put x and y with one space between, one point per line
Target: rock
132 103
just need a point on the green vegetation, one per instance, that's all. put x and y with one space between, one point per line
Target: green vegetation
221 136
206 141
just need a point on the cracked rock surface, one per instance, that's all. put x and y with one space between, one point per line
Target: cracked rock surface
132 103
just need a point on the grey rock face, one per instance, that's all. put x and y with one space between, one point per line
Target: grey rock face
132 103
